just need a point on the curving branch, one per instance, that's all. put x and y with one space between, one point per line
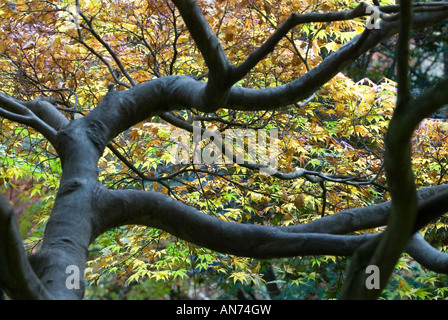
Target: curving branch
218 85
17 277
281 32
40 115
407 216
169 93
425 212
123 207
427 255
398 167
83 208
206 40
325 236
431 206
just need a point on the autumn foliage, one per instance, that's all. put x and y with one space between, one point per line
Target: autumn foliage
331 144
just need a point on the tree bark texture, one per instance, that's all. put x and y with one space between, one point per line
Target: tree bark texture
84 208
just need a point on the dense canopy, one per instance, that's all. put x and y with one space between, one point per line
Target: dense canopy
260 145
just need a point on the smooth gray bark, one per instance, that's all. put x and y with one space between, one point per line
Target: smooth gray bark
84 208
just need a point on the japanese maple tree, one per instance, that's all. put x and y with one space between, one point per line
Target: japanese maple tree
93 92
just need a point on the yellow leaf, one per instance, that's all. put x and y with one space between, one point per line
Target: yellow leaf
299 202
56 43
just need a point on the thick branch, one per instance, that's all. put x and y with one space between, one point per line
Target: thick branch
206 40
404 90
426 255
17 277
216 60
122 109
160 211
294 20
18 111
406 217
426 103
431 206
400 180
